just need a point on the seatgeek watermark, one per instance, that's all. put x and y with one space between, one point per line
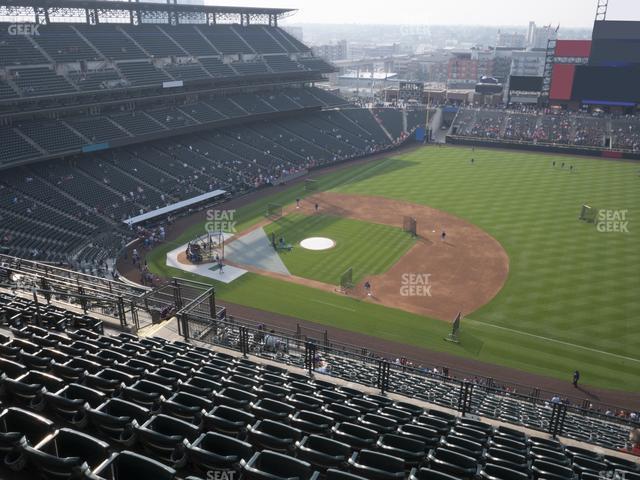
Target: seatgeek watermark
26 29
612 221
415 285
221 474
409 28
221 221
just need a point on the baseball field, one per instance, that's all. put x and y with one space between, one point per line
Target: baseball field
541 291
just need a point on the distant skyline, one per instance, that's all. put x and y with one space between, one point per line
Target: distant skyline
568 13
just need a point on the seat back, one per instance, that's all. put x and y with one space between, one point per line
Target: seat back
11 369
165 426
503 473
67 453
280 465
326 445
380 461
429 474
450 456
224 445
132 466
22 423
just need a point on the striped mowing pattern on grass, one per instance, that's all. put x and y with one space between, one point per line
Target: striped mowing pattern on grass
567 281
369 248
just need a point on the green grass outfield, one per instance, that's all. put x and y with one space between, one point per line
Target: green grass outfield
369 248
571 297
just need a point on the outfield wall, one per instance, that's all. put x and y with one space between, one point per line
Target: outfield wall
545 148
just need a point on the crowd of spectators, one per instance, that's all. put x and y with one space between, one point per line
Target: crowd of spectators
590 131
625 132
549 126
488 124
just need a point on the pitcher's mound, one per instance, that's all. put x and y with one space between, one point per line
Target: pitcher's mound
317 243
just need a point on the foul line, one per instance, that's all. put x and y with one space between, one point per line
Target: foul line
333 305
595 350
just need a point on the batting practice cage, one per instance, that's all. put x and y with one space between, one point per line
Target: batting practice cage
310 185
274 210
410 225
207 248
346 280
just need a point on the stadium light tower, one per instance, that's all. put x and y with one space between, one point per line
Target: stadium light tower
601 10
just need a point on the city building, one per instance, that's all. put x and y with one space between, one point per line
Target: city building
332 52
538 37
528 63
466 67
511 40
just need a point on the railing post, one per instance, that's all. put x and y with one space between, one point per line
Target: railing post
121 313
244 341
35 300
177 295
212 305
556 421
464 400
184 320
310 357
83 301
134 316
384 370
44 285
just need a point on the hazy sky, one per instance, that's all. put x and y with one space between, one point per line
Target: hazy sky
571 13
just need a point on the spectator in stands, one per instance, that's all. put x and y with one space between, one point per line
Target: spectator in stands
270 341
322 366
634 441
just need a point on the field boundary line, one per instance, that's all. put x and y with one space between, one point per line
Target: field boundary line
334 305
562 342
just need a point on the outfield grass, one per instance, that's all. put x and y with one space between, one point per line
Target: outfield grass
368 248
571 297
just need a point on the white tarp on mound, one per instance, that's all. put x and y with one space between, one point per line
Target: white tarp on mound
317 243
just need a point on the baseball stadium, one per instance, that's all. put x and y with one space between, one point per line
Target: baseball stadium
213 266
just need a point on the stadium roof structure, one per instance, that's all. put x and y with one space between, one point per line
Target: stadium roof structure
171 12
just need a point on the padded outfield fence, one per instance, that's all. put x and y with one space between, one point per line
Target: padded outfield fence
515 404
